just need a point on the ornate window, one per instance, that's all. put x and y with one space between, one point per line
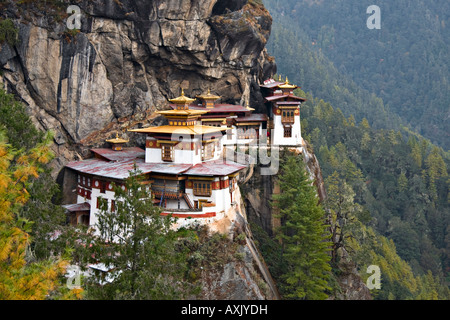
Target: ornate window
202 188
287 116
208 151
167 152
287 132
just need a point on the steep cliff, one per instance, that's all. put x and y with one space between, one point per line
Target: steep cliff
127 59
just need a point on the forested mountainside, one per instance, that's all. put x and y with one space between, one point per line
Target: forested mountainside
387 202
378 173
384 187
405 63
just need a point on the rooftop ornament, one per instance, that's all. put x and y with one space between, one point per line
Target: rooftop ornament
117 143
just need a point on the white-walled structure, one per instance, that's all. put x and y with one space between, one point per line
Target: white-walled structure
284 112
183 163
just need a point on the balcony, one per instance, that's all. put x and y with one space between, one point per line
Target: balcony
172 191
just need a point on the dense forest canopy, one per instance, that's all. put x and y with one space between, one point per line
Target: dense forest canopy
405 63
376 116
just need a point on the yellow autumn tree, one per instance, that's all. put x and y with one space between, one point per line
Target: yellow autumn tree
20 279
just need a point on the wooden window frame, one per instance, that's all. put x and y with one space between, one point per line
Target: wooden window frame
287 132
167 152
208 150
100 200
287 116
202 188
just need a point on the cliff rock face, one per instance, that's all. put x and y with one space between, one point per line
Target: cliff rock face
243 277
259 189
127 59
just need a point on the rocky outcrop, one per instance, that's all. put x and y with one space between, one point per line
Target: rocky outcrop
242 274
351 285
127 59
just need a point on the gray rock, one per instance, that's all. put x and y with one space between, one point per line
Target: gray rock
129 57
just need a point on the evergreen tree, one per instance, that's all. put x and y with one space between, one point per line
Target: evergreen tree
139 246
24 155
47 216
19 128
436 168
21 279
303 234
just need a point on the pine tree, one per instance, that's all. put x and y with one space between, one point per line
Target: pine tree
303 234
47 216
436 169
139 245
20 279
19 128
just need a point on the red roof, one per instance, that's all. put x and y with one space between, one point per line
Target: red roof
121 170
294 103
215 168
271 83
124 154
277 97
78 207
257 117
219 108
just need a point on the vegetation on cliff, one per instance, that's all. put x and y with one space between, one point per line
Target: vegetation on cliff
384 185
303 234
387 199
385 182
23 274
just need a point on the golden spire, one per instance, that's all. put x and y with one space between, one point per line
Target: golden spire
287 85
279 77
182 100
117 142
208 96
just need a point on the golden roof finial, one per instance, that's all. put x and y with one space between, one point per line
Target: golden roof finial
287 81
279 77
182 100
209 91
117 139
